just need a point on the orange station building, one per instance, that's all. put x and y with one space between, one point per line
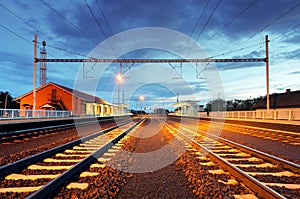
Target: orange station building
52 96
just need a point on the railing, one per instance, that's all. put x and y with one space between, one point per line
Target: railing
6 114
277 114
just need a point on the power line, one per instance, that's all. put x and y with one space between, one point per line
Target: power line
197 22
32 26
20 18
101 29
68 51
203 11
96 20
106 21
19 36
266 26
281 35
205 25
240 49
209 18
16 34
237 16
274 20
62 16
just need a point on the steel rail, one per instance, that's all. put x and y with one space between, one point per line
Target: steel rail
267 157
23 163
18 126
214 120
8 136
275 160
247 179
48 189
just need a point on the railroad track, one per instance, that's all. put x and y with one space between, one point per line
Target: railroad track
292 138
261 124
288 135
39 176
266 175
41 131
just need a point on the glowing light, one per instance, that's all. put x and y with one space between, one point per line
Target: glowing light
141 98
119 78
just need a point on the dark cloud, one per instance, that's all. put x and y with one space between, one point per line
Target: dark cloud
293 54
295 73
260 16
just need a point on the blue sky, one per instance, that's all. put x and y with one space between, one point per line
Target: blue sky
223 29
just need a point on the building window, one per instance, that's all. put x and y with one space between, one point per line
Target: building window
53 95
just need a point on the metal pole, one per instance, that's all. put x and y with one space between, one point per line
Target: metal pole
34 74
119 83
118 92
267 76
5 104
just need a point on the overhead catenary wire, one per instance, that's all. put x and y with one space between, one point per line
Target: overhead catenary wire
283 34
26 40
200 17
70 22
104 17
101 29
205 25
106 22
208 20
37 29
94 17
20 18
266 26
233 19
274 20
16 34
239 49
197 22
69 51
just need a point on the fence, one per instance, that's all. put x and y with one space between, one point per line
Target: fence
277 114
24 114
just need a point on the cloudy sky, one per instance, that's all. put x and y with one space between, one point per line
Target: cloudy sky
221 28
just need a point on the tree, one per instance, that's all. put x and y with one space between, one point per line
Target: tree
7 101
216 105
232 105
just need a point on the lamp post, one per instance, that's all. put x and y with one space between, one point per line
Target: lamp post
141 98
119 79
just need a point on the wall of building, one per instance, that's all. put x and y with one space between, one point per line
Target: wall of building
94 109
60 99
78 106
46 94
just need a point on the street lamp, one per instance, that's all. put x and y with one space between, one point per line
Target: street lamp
141 98
119 79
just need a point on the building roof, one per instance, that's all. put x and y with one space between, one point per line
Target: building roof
185 103
84 96
281 100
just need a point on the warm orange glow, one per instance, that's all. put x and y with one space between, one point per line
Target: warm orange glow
119 78
141 98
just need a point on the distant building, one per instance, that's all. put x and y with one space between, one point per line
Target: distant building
288 99
190 108
160 111
53 96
